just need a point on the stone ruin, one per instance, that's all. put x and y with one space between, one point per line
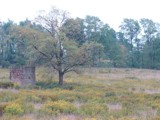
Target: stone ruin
23 76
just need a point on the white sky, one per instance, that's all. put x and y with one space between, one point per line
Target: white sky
109 11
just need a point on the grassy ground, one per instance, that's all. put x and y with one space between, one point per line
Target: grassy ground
94 94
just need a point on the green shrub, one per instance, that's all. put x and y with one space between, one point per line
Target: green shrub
16 86
28 108
32 98
6 85
7 96
93 109
14 109
110 94
45 96
58 107
3 106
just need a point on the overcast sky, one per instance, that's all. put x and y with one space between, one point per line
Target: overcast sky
109 11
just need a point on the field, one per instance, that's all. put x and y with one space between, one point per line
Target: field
93 94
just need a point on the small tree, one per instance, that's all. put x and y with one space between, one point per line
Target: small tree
62 54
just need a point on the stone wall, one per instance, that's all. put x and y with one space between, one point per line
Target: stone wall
23 76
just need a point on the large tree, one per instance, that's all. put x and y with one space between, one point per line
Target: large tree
59 51
112 49
12 46
131 29
149 35
92 28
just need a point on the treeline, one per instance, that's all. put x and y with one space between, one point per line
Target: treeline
136 45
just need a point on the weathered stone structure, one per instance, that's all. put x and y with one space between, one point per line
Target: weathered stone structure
24 76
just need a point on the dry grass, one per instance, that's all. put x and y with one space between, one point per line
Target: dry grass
127 94
120 74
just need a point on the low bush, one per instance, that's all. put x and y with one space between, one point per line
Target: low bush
58 107
93 109
33 99
6 85
7 96
14 109
110 94
3 106
45 96
28 108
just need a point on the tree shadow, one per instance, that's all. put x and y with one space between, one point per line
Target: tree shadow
51 85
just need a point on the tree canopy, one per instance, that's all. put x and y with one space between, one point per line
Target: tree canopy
57 40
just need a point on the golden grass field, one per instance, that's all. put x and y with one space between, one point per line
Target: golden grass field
93 94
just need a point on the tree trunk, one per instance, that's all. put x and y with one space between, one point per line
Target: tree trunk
60 78
60 64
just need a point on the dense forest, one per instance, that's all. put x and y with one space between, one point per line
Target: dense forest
135 45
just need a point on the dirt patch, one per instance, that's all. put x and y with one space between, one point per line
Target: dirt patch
38 106
147 115
77 104
116 106
9 90
136 90
69 117
152 91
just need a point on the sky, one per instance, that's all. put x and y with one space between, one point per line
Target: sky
109 11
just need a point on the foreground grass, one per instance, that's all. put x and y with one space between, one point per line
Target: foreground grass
94 94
